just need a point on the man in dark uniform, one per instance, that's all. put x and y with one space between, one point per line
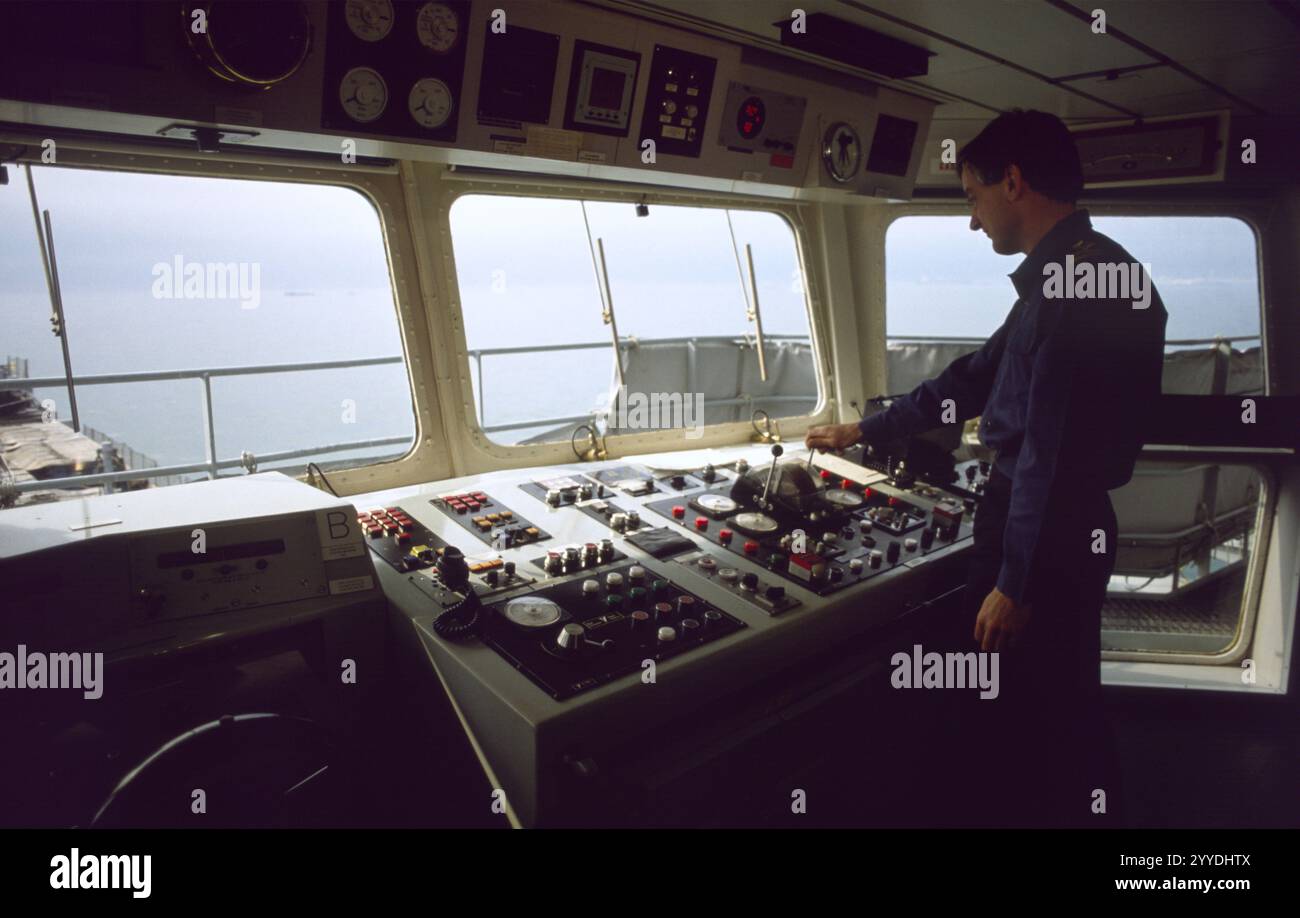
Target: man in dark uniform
1063 389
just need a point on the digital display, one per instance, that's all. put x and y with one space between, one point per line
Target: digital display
606 90
750 117
221 553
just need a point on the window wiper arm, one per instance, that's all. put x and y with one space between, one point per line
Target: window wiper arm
45 236
749 287
606 297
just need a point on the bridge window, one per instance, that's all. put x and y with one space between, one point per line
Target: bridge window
268 304
1187 531
541 355
947 291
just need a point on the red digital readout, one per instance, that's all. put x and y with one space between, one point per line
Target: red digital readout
750 117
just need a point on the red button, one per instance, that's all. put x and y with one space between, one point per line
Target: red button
480 496
751 548
845 483
701 522
679 512
866 492
472 504
724 536
404 537
825 475
893 502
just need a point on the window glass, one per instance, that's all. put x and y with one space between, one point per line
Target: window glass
541 356
174 273
944 281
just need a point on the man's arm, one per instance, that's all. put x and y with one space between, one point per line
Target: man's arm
967 381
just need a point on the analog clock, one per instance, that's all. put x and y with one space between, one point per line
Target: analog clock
841 151
430 102
363 94
438 27
369 20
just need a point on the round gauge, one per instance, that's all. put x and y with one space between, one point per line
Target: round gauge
758 523
532 612
750 117
842 498
716 503
255 45
430 102
363 94
438 27
670 107
841 151
369 20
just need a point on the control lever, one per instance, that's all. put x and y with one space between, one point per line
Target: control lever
771 472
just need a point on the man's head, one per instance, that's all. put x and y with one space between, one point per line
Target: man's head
1020 175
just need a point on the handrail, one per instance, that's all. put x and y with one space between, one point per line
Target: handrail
213 465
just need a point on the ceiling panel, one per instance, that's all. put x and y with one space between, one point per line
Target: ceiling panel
1001 88
1198 28
1157 91
757 16
1269 79
1030 33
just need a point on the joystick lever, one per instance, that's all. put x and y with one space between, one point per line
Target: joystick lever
771 472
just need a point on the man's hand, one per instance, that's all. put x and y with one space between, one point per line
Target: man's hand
832 436
1000 621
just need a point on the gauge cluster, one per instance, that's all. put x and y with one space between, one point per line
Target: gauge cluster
395 67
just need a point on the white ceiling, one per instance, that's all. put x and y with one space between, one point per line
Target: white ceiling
992 55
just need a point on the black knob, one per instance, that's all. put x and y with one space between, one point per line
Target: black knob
775 593
749 581
777 451
451 565
927 538
892 553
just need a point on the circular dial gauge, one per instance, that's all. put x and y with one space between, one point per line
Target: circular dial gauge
754 523
369 20
841 151
363 94
843 498
430 102
532 612
750 117
438 27
716 503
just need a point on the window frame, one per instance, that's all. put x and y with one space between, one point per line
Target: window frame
464 184
1132 668
381 186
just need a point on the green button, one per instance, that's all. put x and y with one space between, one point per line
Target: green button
613 600
636 592
660 585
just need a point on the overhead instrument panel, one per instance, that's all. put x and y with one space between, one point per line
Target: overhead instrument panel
677 101
395 67
602 84
517 81
762 121
891 147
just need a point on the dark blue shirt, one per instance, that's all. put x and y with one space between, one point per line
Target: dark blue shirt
1063 388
